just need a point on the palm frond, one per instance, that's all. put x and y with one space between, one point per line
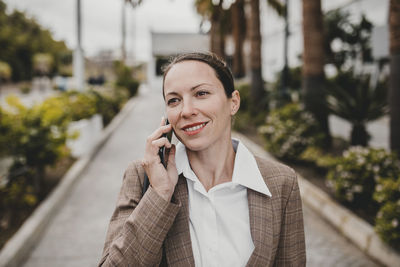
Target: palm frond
278 6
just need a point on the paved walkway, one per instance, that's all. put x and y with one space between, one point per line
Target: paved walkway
76 234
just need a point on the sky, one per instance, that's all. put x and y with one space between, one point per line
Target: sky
101 22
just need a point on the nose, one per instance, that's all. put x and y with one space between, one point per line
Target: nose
188 109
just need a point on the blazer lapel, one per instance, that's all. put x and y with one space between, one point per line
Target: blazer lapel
262 228
178 246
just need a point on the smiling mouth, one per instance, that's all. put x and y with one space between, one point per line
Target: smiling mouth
195 128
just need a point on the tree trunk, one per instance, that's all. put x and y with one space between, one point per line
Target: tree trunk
257 85
394 80
238 32
217 37
359 135
313 65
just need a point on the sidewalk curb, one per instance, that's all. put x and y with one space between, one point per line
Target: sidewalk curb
355 229
20 245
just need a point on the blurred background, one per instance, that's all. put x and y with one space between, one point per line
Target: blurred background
319 83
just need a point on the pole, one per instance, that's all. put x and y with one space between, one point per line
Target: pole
78 53
284 93
123 25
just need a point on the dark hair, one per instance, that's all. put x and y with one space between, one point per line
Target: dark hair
220 67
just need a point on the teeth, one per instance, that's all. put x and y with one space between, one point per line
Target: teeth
195 128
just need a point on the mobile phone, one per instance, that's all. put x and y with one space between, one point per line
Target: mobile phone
163 151
163 155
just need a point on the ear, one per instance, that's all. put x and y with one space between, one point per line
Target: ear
235 102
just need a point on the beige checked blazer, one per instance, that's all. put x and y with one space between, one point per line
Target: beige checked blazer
148 231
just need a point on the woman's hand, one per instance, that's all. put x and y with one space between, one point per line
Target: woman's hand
162 180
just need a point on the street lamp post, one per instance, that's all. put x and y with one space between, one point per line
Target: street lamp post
123 25
78 53
284 93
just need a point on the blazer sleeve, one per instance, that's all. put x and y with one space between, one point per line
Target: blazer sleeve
291 247
139 224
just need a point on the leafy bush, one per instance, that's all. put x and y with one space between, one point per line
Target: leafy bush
316 156
34 138
4 133
125 78
351 97
244 91
387 223
5 71
109 103
357 172
21 38
243 118
37 136
289 131
16 196
79 105
25 88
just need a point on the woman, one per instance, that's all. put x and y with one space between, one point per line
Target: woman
215 204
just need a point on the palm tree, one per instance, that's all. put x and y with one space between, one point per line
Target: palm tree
351 97
239 34
313 64
394 90
216 15
257 84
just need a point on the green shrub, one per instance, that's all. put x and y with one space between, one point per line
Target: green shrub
243 119
316 156
5 129
34 138
289 131
132 86
109 103
37 137
351 98
25 88
244 91
387 223
5 71
356 173
16 195
79 105
125 78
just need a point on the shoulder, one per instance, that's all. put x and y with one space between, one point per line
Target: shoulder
279 177
135 171
271 168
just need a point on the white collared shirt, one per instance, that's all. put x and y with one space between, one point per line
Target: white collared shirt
219 219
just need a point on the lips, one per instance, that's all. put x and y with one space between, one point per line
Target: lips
194 128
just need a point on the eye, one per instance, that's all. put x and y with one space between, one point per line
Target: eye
202 93
172 101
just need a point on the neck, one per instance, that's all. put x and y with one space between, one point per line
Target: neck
213 165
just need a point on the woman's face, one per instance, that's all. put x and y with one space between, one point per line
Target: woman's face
197 106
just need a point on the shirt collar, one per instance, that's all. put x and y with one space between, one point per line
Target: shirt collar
245 170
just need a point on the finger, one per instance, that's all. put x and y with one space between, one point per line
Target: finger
162 123
161 142
159 132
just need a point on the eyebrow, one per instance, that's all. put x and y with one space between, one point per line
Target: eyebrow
191 89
